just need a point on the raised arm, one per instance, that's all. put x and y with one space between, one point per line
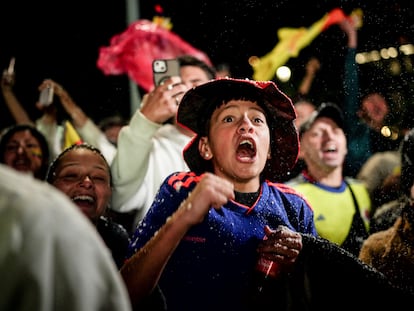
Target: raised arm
143 270
16 109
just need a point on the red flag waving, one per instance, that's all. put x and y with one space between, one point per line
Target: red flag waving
133 51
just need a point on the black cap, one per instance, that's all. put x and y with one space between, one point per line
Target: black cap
327 110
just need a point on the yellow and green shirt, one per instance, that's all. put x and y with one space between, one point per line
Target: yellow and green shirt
334 208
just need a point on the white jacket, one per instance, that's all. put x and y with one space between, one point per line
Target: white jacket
147 153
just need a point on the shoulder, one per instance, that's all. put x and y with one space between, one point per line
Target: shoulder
357 186
40 225
298 180
390 208
108 225
289 194
182 180
385 215
378 241
285 188
353 181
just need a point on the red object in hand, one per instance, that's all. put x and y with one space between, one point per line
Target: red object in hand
133 51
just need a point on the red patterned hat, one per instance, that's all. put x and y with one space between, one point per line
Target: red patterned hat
198 104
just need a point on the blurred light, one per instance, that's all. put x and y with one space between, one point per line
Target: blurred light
408 64
395 67
386 131
361 58
407 49
392 52
375 56
384 53
390 132
283 73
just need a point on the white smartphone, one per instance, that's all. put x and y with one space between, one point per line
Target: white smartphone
8 74
46 96
10 69
164 68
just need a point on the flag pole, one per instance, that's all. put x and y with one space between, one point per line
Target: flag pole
132 15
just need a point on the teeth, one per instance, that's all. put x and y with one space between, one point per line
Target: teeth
246 142
83 198
331 148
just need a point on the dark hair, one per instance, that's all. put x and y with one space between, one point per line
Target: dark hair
189 60
111 121
10 131
198 104
50 176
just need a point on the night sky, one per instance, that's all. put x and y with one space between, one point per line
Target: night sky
61 40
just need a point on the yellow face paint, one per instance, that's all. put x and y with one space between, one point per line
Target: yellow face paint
37 152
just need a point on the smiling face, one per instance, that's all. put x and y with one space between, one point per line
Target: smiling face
238 143
23 152
83 175
323 146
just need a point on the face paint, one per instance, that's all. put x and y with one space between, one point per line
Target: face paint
30 149
36 152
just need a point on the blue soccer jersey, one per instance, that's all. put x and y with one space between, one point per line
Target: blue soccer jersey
215 258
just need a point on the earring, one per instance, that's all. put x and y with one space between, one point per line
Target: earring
206 155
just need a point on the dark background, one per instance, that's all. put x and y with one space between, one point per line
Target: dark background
61 40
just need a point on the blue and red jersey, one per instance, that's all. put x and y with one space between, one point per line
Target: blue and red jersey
218 255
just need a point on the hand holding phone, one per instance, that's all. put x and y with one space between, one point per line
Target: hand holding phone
8 74
10 69
46 96
164 69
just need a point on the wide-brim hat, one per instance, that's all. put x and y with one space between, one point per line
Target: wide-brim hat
198 104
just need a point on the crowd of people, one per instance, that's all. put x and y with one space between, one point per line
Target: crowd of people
215 193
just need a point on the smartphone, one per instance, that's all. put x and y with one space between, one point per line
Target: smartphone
8 74
46 96
10 69
164 68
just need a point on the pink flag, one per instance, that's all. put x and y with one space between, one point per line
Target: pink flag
133 51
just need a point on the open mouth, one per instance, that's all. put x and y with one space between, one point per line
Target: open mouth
330 148
21 164
246 149
84 201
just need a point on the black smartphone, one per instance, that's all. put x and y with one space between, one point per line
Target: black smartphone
163 69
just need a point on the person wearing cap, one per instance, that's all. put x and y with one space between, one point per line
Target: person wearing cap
150 146
202 236
341 204
391 250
